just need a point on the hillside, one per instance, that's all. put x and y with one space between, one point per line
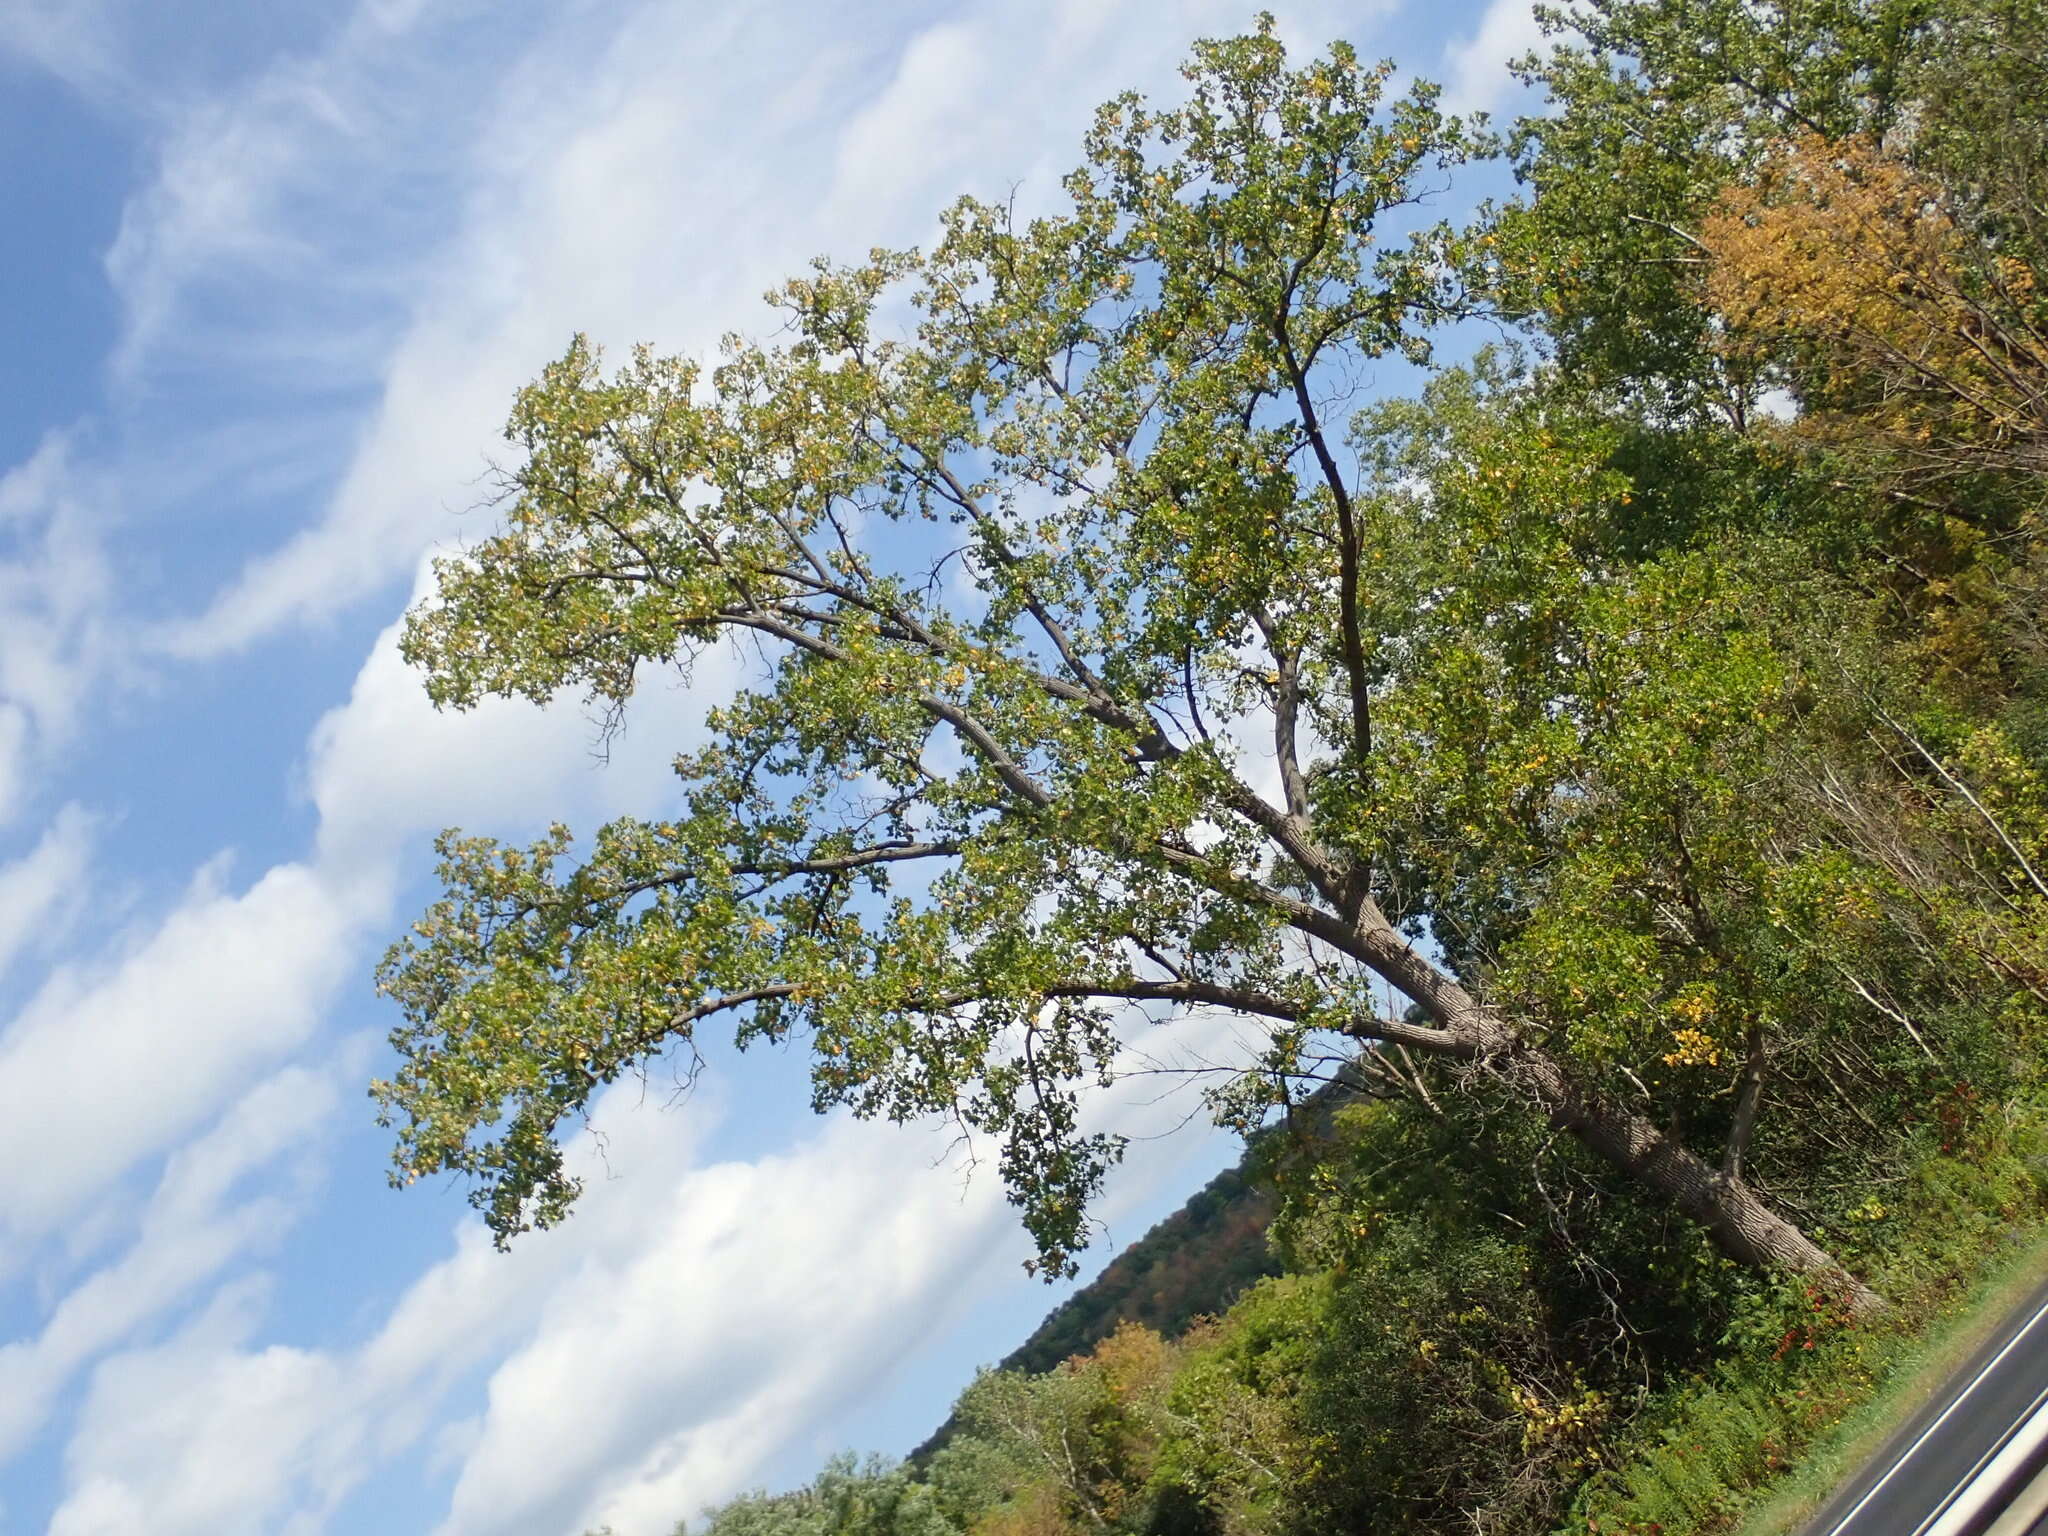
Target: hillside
1193 1264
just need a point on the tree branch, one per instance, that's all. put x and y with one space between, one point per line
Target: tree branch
1748 1100
1350 635
1286 717
1250 1000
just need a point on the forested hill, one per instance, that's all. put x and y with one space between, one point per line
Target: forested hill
1200 1259
1193 1264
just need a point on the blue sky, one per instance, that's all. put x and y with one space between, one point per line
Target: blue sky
274 269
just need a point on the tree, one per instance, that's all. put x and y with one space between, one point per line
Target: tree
1655 108
1099 671
1841 199
1842 253
1892 276
848 1497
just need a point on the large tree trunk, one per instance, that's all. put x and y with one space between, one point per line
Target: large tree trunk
1741 1223
1727 1205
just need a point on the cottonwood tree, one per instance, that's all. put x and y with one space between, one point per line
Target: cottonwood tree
1103 664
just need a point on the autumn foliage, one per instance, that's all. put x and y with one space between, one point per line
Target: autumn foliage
1863 283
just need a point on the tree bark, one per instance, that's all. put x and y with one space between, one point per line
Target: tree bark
1739 1220
1741 1223
1749 1098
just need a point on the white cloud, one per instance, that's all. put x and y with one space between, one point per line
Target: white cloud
940 94
386 766
14 750
301 191
54 589
40 891
195 1224
719 1316
200 1435
424 460
651 1356
1776 405
68 38
697 1333
1476 70
112 1061
517 251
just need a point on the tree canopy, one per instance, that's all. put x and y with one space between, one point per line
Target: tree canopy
1107 659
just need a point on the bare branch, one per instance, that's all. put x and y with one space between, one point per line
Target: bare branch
1963 789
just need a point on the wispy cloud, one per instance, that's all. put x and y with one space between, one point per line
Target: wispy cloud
198 1221
655 203
342 262
41 891
55 594
71 39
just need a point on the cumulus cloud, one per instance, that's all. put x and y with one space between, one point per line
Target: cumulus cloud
164 1027
712 1321
197 1434
167 1027
644 1361
743 1306
715 1312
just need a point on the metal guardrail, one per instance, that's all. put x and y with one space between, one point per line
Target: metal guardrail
2009 1466
2025 1511
2005 1481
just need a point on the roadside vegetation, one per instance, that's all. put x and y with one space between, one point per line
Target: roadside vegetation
1429 1368
1653 705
